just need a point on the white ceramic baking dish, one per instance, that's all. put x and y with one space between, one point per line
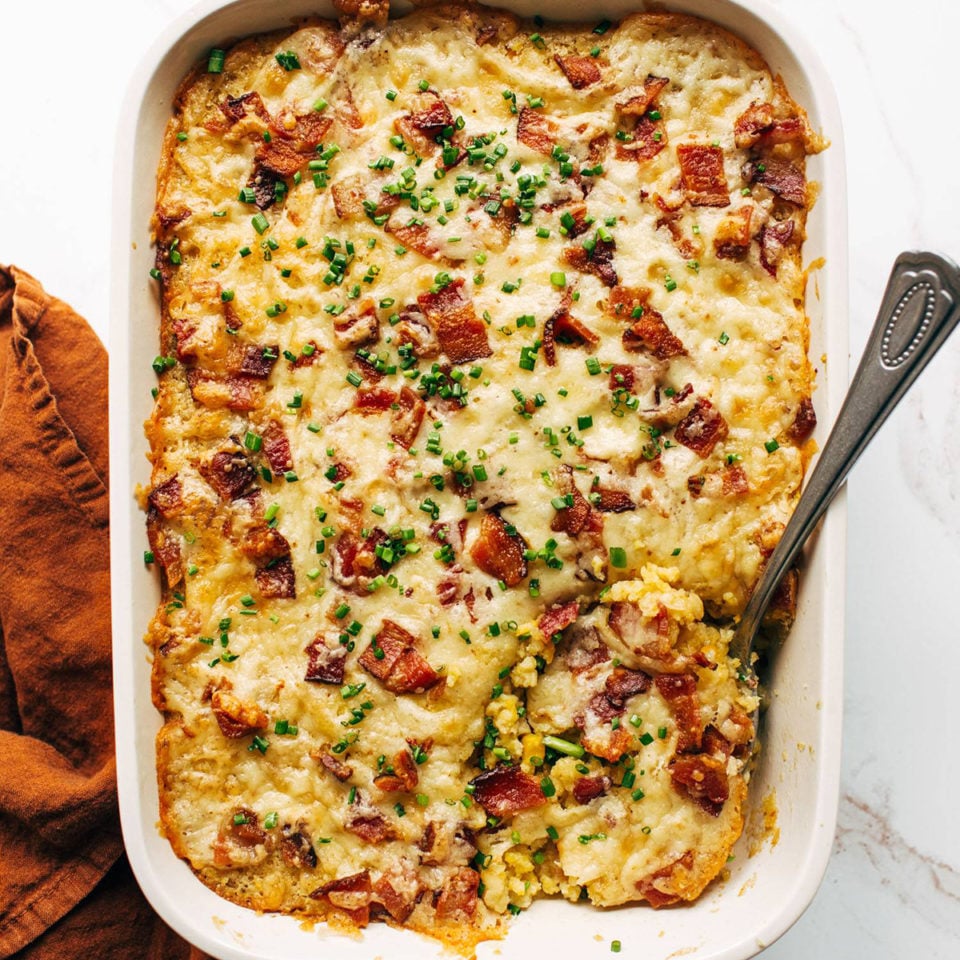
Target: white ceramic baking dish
799 772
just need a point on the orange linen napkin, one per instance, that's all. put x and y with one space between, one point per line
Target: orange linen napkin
65 889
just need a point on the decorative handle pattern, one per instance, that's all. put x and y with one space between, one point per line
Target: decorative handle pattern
919 310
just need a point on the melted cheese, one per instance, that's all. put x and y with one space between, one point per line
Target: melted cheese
228 285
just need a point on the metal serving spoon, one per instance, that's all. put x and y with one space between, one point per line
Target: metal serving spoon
920 308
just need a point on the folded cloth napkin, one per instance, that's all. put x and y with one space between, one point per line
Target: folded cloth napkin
65 888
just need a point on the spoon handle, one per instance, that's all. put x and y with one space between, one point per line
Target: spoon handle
920 308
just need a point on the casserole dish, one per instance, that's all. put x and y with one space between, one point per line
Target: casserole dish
159 88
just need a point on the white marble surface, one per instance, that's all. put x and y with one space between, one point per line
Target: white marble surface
892 888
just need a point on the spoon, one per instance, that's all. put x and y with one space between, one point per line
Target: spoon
919 310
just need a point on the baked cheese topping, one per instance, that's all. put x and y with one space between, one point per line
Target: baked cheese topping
483 381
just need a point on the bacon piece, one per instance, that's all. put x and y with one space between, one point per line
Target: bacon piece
359 327
229 473
264 183
568 329
254 360
458 897
623 301
536 131
355 561
671 217
732 239
703 778
580 71
599 261
702 428
804 422
276 580
601 739
296 848
397 890
236 108
392 658
649 137
235 718
305 133
279 158
414 330
650 885
680 691
578 517
778 176
734 481
276 448
639 104
621 684
613 501
651 332
499 553
263 544
342 771
774 238
373 400
241 841
506 790
752 123
404 776
558 618
165 546
486 34
462 335
325 662
348 196
434 118
367 822
407 418
238 393
167 498
622 377
586 789
701 170
415 236
350 895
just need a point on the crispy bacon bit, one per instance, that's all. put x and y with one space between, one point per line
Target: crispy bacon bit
702 428
671 217
325 663
279 159
624 301
256 361
751 124
459 894
586 789
774 238
703 778
397 890
264 183
348 196
235 718
499 553
415 236
581 221
603 740
649 137
506 790
563 328
580 71
638 104
623 683
613 501
536 131
276 580
296 848
804 422
236 108
165 546
240 394
392 657
307 131
404 776
359 328
167 497
263 544
558 618
486 34
351 895
599 261
414 330
680 691
778 176
229 473
732 239
407 418
622 377
649 886
734 481
650 332
368 823
701 170
276 448
342 771
579 517
434 118
241 841
462 335
373 400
